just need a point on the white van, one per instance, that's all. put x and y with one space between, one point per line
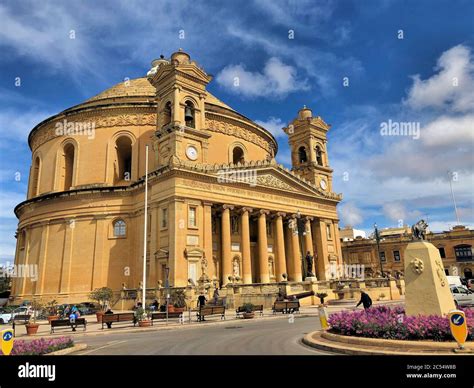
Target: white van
454 281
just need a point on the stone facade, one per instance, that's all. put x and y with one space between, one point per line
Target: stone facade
455 247
220 208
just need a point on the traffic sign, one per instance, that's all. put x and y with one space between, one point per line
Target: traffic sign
458 325
323 317
7 341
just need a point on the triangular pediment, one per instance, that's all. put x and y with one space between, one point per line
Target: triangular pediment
188 70
275 178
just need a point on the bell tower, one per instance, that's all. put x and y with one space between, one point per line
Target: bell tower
180 94
307 137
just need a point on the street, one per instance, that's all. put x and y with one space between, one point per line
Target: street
256 337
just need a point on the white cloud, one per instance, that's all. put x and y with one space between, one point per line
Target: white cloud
397 211
16 124
444 226
447 131
274 125
350 214
276 80
451 87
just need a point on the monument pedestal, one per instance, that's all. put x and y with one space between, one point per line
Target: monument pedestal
426 287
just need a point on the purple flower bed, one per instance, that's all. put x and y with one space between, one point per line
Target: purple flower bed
40 346
392 323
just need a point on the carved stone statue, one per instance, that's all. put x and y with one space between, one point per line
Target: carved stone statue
309 264
234 220
419 230
236 268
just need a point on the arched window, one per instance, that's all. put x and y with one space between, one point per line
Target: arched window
468 273
302 155
238 155
123 172
35 177
120 228
319 156
68 166
22 241
167 113
190 115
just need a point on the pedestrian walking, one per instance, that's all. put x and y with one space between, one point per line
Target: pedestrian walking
364 300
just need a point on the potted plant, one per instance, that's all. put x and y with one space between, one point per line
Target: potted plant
141 316
32 326
179 301
103 296
248 311
52 310
321 296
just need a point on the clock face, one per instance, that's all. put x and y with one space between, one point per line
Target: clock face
191 152
323 184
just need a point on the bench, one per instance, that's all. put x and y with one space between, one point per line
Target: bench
205 311
256 308
286 307
22 318
162 315
118 318
67 323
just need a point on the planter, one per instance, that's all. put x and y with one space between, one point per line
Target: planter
99 316
248 315
144 323
52 318
32 328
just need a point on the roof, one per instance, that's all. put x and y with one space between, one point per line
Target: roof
140 87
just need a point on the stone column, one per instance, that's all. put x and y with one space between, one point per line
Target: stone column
226 248
263 247
337 242
288 249
42 259
308 243
308 238
245 241
151 281
207 233
296 276
66 263
176 107
319 232
280 247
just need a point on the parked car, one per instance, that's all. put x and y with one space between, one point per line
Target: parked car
462 296
6 316
87 308
470 284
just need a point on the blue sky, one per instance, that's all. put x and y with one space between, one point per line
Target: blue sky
65 52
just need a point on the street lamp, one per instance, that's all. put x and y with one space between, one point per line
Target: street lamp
167 286
377 239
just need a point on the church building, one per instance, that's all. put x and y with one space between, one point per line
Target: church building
219 205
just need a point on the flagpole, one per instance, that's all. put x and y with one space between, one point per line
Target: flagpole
145 229
452 195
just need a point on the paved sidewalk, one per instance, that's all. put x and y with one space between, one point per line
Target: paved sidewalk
94 328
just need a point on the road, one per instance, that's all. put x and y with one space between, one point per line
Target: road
256 337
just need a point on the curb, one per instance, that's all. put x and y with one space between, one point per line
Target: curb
172 326
70 350
319 340
398 344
